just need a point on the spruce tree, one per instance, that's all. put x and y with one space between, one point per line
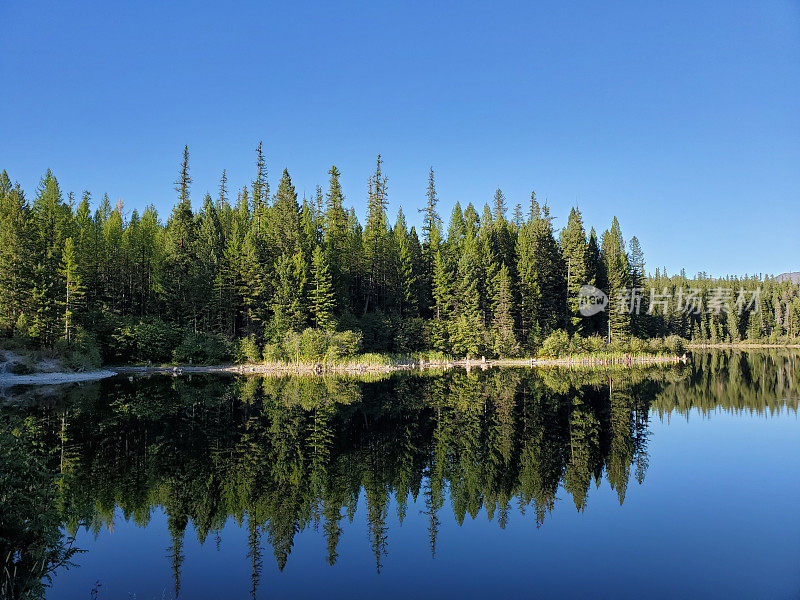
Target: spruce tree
467 333
576 253
617 270
287 303
16 275
442 302
540 269
406 277
51 220
376 240
260 194
499 204
336 236
636 258
284 220
73 286
180 249
431 239
504 339
322 296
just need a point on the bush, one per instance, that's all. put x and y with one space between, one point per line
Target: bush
378 332
84 351
274 353
155 340
313 344
675 345
410 335
556 344
247 350
347 343
122 344
343 344
202 348
21 327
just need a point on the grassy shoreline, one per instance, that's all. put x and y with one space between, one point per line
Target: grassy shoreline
392 364
742 345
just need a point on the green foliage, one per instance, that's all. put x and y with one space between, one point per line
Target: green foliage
201 348
247 350
315 345
256 269
560 345
154 340
322 295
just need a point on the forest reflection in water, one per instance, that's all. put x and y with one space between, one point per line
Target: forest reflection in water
281 455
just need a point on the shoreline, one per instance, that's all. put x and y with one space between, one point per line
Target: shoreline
742 345
55 378
313 368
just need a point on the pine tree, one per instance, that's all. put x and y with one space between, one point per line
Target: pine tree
336 238
540 269
504 340
466 329
442 302
376 240
15 254
576 253
499 205
617 270
287 303
260 189
73 286
322 296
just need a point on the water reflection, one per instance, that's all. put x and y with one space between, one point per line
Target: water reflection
281 455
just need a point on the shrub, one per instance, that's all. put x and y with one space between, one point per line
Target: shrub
21 327
343 344
292 344
247 350
637 346
199 347
155 340
313 344
22 367
378 332
556 344
675 345
122 344
84 351
274 353
348 343
410 335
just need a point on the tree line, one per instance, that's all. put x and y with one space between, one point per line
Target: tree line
257 265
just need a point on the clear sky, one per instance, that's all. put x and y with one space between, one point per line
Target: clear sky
681 118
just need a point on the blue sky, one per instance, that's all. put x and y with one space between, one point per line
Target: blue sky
681 118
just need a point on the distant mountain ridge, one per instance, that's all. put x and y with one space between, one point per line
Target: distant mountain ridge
793 277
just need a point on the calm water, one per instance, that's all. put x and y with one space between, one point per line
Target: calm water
674 482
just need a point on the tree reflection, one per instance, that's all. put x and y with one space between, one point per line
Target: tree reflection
281 455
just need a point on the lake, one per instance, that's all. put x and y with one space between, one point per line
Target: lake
679 481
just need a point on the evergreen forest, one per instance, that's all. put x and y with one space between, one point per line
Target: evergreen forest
259 273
